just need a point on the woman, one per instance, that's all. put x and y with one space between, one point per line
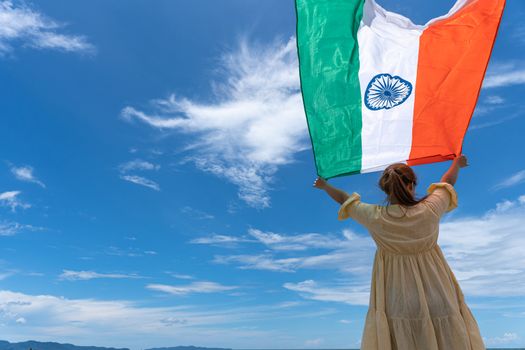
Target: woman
415 300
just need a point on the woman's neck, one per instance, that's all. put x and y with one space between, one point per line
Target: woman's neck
393 201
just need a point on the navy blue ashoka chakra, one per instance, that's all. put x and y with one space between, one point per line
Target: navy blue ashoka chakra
385 91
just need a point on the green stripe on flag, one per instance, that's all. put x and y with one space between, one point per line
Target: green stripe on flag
329 65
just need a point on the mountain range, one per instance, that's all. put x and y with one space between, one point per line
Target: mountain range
36 345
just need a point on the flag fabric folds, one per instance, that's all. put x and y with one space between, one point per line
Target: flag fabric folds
378 89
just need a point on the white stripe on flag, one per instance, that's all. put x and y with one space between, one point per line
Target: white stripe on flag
388 43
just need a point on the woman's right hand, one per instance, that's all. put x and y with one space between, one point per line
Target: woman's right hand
320 183
461 161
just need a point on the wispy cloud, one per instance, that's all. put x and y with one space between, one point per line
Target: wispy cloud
139 165
194 287
496 120
518 30
8 228
314 342
70 275
278 241
139 180
282 242
10 199
357 294
180 276
514 179
259 262
494 100
505 339
289 304
25 173
221 240
196 214
486 252
6 274
505 74
130 252
22 26
489 105
124 323
254 125
350 247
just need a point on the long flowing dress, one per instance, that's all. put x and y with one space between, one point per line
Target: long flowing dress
416 302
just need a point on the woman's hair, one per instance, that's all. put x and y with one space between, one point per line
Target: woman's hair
395 181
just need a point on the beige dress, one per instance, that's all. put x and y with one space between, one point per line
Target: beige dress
415 300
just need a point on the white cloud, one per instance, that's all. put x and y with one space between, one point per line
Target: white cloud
345 321
288 304
6 274
25 173
217 239
283 242
21 25
138 164
89 275
139 180
504 74
12 228
496 121
356 248
181 276
494 100
507 338
512 180
195 287
314 342
486 252
196 214
131 252
278 241
123 323
255 124
487 107
353 294
10 199
259 262
518 31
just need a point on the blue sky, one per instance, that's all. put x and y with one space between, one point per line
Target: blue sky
156 174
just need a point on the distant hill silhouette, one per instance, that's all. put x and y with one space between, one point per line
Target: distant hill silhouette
36 345
189 347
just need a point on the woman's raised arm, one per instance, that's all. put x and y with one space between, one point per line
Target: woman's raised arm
452 173
337 195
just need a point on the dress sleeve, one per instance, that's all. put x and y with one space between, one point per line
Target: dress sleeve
353 208
442 197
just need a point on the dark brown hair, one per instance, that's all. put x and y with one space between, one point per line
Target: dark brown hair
395 181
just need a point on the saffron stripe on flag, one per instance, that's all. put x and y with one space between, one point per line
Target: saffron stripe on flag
453 57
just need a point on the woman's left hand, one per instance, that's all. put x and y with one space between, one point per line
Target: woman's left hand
320 183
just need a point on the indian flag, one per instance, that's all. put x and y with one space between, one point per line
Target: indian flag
378 89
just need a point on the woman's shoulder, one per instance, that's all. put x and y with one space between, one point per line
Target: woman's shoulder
353 207
441 197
